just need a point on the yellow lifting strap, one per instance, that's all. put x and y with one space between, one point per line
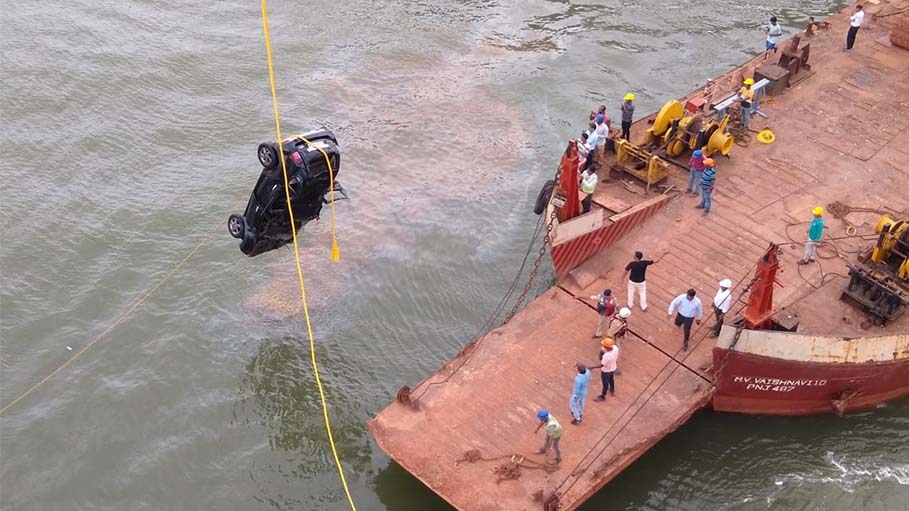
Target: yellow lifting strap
312 346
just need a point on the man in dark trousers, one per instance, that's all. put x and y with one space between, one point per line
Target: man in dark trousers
855 21
689 310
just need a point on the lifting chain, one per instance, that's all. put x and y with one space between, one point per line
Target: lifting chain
547 240
840 210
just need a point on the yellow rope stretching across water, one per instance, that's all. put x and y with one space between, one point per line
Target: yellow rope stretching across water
312 346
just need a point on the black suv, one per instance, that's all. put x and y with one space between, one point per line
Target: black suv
265 224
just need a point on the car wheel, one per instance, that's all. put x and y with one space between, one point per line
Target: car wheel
268 155
236 226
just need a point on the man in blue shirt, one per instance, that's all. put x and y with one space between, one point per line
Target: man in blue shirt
707 180
815 231
579 393
689 310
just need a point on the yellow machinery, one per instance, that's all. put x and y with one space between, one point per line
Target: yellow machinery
892 249
647 166
679 132
880 282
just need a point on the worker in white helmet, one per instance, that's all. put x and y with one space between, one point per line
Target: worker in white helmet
721 304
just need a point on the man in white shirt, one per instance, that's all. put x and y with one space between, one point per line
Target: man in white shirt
721 303
774 33
855 21
689 310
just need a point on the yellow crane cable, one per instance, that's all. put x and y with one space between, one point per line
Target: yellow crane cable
293 230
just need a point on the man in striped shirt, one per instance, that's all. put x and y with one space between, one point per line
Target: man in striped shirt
707 180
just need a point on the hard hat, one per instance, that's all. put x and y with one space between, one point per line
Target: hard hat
749 81
542 415
624 312
818 211
708 162
697 153
629 97
608 342
600 118
726 283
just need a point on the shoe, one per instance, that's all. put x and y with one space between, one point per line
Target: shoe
541 451
699 207
643 309
575 421
706 211
803 262
600 398
685 347
555 461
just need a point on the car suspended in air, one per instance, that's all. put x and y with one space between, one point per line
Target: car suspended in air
265 225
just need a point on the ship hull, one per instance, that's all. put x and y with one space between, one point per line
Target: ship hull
773 373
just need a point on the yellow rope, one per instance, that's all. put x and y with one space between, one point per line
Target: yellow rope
107 330
293 230
335 251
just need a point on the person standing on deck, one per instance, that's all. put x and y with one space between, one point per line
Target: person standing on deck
602 134
695 169
721 303
746 100
608 364
627 116
855 21
605 308
774 33
708 178
592 139
815 231
553 434
588 186
618 327
637 279
579 393
689 310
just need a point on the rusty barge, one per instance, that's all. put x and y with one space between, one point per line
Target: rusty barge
841 122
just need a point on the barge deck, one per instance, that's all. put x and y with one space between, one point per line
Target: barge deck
467 431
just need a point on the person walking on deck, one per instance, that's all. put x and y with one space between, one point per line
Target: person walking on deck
579 393
815 231
774 33
689 310
605 308
695 169
608 364
553 434
627 116
637 279
721 303
855 21
708 178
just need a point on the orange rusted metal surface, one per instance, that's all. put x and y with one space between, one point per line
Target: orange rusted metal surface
489 395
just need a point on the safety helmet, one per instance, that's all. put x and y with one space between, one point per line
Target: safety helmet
726 283
542 415
818 211
600 118
749 81
698 153
708 162
624 312
608 342
629 97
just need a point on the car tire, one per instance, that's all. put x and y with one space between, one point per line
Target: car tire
268 155
543 197
236 226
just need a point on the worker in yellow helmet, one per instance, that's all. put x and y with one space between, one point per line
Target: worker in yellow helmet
746 100
815 231
627 116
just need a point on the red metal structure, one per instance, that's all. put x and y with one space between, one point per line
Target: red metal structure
759 310
568 183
